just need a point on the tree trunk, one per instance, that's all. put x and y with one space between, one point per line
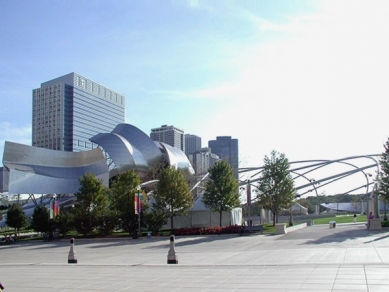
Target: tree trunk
220 222
274 218
171 225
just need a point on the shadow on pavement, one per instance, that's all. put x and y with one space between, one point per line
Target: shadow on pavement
323 234
150 243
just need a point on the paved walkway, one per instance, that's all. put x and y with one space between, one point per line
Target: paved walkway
317 258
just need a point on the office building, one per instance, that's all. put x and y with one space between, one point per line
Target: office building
192 143
169 135
227 149
69 110
202 160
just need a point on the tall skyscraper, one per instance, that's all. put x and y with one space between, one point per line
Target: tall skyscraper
70 109
227 149
202 160
192 143
169 135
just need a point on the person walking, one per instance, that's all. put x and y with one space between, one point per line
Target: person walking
355 218
371 216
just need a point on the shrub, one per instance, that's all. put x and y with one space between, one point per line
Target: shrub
207 230
385 223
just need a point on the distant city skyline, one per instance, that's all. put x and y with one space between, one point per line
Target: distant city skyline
304 78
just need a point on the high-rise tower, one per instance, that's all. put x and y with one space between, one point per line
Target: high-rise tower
202 160
227 149
70 109
169 135
192 143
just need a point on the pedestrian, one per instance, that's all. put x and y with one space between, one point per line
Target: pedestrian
355 218
371 216
242 229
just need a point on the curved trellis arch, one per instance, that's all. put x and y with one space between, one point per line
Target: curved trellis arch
314 168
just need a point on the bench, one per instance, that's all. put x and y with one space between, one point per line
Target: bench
280 228
250 229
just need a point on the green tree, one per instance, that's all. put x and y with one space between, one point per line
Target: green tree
64 221
276 187
123 191
305 202
92 200
356 202
41 219
173 194
16 218
222 190
383 176
155 218
107 222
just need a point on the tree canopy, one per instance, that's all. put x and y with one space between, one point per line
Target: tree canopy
41 219
383 177
123 190
92 201
221 191
276 187
16 218
173 193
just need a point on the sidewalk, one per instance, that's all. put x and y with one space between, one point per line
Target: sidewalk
345 258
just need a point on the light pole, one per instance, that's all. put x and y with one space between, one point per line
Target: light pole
138 188
291 217
53 203
248 190
367 175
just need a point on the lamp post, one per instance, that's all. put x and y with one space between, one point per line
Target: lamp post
290 216
53 202
138 188
317 206
367 175
248 190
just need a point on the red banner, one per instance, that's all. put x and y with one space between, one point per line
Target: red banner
138 203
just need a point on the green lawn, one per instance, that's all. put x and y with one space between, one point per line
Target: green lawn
340 219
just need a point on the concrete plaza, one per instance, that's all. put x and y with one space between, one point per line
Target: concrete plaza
317 258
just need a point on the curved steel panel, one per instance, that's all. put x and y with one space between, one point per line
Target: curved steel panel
177 157
124 155
28 183
141 141
39 170
30 155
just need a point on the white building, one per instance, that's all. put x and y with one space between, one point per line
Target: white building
202 160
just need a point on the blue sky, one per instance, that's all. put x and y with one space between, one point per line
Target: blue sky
305 78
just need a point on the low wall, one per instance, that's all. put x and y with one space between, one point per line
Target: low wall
281 228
